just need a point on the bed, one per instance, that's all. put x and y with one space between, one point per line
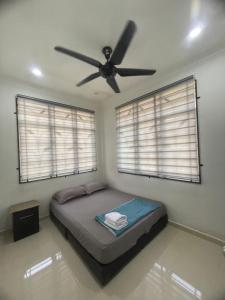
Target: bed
102 251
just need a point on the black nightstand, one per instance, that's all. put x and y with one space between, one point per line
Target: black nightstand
25 219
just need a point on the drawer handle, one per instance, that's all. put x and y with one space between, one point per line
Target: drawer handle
26 217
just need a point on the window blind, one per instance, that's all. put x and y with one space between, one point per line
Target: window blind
158 135
54 140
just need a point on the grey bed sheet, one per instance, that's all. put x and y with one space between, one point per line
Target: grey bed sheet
78 216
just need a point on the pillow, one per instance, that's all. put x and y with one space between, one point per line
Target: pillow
93 186
69 194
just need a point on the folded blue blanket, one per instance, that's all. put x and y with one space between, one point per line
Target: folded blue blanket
135 210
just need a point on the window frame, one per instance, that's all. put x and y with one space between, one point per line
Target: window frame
146 96
18 139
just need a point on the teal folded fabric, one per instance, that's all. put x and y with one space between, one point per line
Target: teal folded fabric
135 210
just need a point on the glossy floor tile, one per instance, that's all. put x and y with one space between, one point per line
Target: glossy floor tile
175 265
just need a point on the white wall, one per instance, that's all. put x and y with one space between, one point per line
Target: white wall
201 207
11 191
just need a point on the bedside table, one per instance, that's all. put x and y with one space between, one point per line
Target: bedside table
25 219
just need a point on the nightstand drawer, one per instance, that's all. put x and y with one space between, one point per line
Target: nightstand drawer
25 222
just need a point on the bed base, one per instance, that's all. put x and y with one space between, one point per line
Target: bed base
105 272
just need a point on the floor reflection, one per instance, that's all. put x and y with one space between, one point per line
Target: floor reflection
187 286
42 265
162 275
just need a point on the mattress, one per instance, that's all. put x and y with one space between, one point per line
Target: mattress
78 216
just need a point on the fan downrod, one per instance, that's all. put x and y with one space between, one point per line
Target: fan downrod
107 51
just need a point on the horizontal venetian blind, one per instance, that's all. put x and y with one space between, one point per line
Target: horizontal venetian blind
158 136
54 140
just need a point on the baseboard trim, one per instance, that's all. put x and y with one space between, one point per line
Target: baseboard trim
44 217
3 230
198 233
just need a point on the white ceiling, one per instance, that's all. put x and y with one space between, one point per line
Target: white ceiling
29 30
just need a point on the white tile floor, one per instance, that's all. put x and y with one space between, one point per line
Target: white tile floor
175 265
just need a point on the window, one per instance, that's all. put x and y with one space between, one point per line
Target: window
157 135
54 139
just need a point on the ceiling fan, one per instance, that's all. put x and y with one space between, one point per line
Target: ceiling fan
113 58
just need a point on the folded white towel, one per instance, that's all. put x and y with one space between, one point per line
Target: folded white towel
116 227
115 217
116 224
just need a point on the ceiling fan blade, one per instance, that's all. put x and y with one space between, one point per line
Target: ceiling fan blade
112 82
89 78
123 43
79 56
134 72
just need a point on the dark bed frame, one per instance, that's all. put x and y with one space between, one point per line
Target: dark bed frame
105 272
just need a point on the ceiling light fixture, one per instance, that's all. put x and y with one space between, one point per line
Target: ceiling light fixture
37 72
194 33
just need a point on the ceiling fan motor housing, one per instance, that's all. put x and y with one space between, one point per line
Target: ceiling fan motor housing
107 70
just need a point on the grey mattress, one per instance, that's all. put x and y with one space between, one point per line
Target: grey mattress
78 216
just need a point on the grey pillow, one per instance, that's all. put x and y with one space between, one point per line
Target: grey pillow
93 186
69 194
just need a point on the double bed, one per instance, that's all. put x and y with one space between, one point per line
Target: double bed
105 253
